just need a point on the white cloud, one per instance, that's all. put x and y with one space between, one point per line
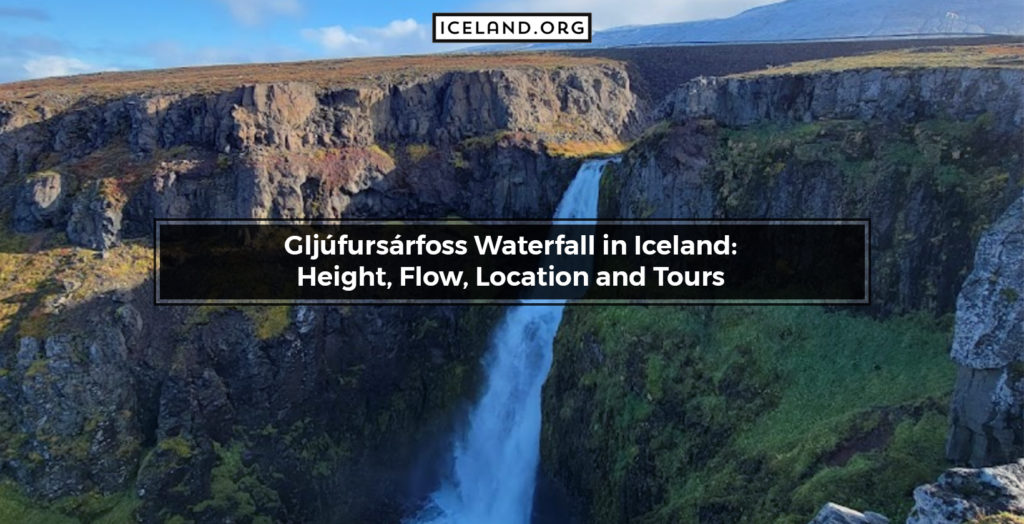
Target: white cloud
612 13
253 12
334 38
55 65
397 37
399 28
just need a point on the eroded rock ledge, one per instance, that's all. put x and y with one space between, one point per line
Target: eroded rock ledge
104 169
863 94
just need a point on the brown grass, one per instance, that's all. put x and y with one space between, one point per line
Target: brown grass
1007 56
323 73
40 269
1002 518
585 148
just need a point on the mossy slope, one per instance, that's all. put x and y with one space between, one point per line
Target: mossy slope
744 414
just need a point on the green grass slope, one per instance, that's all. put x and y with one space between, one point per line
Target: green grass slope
745 414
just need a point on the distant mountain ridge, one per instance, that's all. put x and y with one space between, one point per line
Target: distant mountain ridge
817 20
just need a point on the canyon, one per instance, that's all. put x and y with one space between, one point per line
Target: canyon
111 406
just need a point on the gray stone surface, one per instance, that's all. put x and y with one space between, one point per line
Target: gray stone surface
961 495
41 202
96 217
835 514
73 394
987 412
293 150
882 94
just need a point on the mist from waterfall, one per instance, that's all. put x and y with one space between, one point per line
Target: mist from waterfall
494 463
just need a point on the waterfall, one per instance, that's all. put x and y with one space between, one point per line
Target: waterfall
494 464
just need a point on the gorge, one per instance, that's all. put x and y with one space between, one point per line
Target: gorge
113 409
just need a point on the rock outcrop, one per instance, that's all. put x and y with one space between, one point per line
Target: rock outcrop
74 405
294 150
95 219
987 413
835 514
986 422
963 495
434 108
41 202
862 94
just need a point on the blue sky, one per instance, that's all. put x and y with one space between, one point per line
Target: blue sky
59 37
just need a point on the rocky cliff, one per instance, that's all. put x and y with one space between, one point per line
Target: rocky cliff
987 419
111 406
894 95
985 416
764 414
292 150
928 155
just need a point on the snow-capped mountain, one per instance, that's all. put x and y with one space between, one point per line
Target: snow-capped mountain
822 19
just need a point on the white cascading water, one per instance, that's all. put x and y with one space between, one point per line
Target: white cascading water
495 463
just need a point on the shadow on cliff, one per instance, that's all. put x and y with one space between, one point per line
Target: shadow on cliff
319 414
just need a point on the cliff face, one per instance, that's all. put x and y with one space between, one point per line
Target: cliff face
441 107
758 414
987 421
296 414
862 94
930 156
291 150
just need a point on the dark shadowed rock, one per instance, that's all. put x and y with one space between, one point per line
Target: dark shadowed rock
95 220
706 168
881 94
76 397
172 475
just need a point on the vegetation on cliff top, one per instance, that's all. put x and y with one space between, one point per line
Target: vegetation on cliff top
1002 518
324 73
963 159
585 148
1009 56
